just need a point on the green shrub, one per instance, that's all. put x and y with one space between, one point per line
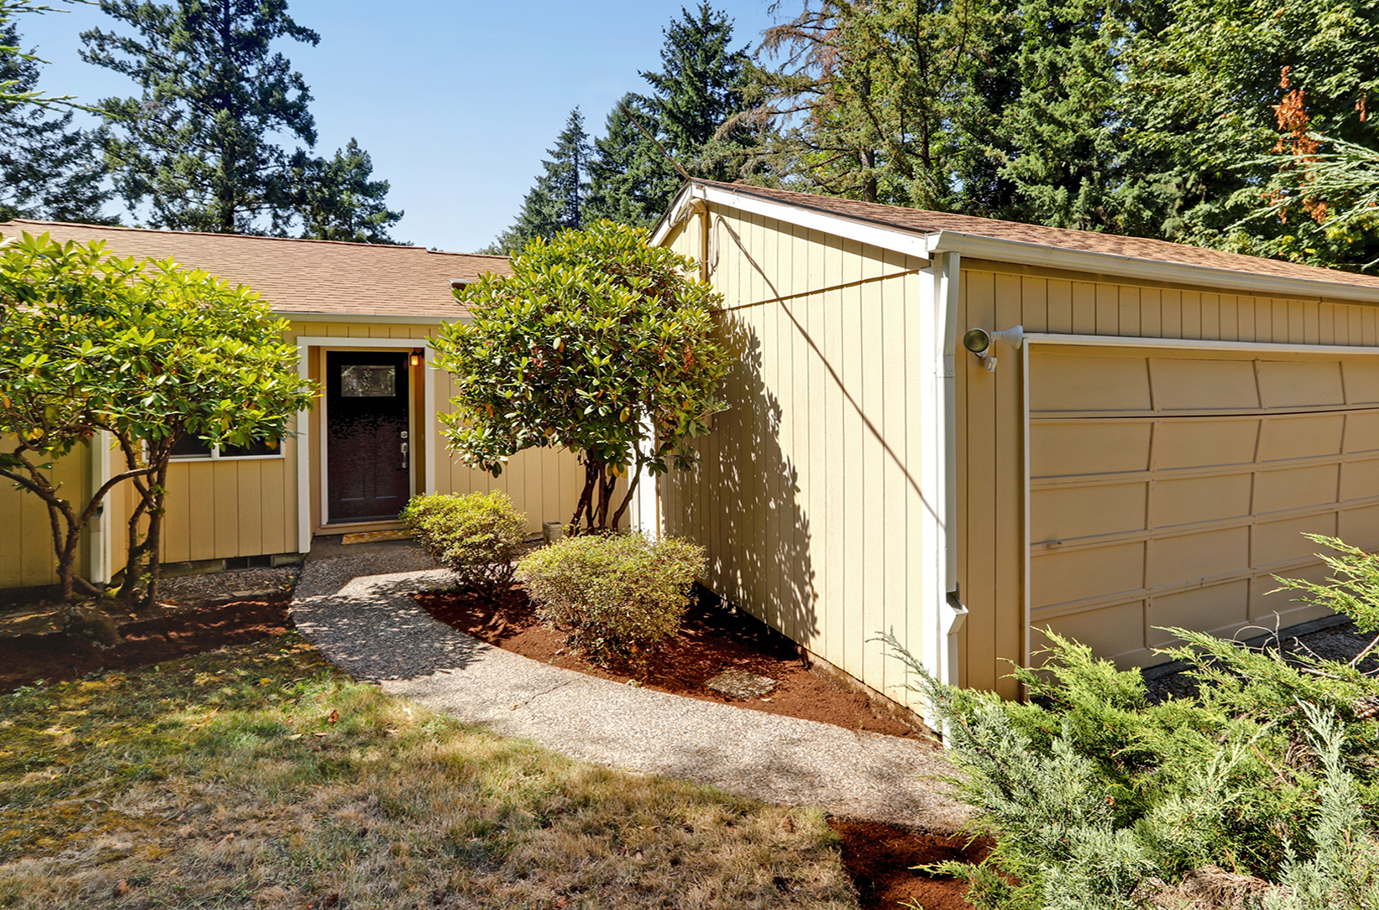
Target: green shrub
1094 792
614 596
476 536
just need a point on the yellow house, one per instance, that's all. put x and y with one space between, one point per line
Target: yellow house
1141 444
360 317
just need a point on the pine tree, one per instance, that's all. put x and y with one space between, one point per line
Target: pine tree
48 169
631 182
337 200
695 111
556 202
877 92
1064 141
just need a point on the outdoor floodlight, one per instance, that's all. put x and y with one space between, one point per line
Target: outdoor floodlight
978 341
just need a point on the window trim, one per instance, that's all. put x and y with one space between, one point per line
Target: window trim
216 456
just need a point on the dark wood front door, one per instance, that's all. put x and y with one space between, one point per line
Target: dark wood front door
368 452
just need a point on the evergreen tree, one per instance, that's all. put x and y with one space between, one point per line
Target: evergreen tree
556 202
631 182
696 111
878 92
48 169
1064 142
1227 82
199 144
337 200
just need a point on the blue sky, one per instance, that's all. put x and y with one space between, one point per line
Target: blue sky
456 102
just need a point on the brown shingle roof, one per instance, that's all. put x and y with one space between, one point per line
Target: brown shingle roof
300 276
920 221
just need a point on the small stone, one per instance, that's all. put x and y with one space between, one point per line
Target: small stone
741 684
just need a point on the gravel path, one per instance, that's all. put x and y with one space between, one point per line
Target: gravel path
357 609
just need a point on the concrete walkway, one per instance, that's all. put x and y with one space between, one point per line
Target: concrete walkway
354 604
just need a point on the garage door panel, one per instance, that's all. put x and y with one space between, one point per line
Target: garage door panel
1060 576
1191 557
1300 384
1109 631
1266 599
1089 447
1282 541
1188 500
1071 382
1221 503
1362 432
1212 609
1359 480
1283 438
1073 513
1296 488
1360 527
1204 443
1361 381
1201 385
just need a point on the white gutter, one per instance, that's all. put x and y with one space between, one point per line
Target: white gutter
1026 253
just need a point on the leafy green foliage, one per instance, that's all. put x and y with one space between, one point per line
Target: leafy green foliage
48 169
597 343
143 351
1092 789
477 536
614 595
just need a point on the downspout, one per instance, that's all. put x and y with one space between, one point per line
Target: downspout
698 206
953 613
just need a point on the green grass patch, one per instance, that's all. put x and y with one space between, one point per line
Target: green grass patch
259 776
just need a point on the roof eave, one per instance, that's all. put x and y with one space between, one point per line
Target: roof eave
367 318
1027 253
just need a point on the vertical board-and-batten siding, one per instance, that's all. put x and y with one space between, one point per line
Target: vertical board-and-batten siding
26 537
990 410
808 495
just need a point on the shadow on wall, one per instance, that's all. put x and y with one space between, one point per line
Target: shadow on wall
741 503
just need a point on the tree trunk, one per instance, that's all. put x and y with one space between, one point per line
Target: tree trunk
159 492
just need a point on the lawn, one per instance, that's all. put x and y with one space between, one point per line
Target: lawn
259 776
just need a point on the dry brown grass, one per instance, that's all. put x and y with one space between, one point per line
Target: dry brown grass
260 777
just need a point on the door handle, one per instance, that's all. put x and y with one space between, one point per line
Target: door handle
404 455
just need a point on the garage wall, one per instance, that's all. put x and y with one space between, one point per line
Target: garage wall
807 495
991 436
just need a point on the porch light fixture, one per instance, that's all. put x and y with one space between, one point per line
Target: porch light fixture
978 341
416 358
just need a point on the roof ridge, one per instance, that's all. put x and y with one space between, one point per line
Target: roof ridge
344 243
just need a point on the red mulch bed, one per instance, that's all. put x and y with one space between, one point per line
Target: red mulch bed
880 860
711 639
53 657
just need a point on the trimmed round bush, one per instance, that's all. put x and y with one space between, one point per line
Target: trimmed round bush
614 596
477 536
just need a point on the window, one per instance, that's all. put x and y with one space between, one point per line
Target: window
191 447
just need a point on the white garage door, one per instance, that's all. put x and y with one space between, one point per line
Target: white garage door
1167 488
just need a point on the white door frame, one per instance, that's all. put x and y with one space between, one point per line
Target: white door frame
304 427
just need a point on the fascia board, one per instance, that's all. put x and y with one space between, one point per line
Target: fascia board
673 215
377 320
906 242
1018 251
